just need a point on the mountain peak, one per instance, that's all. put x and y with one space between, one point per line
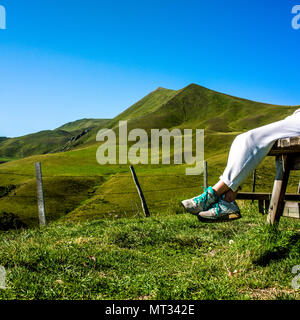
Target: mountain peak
159 88
194 86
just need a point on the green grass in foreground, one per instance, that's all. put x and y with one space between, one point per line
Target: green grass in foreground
168 257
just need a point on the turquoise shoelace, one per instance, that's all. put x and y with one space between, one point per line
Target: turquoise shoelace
217 209
202 197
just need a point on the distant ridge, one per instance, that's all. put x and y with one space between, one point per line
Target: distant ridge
150 103
193 106
49 141
83 124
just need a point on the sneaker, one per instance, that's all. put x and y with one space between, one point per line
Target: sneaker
202 202
221 210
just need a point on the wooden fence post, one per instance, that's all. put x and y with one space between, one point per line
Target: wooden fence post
139 189
205 175
40 194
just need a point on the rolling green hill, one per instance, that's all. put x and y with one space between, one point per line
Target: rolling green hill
83 124
146 106
109 190
198 107
48 141
37 143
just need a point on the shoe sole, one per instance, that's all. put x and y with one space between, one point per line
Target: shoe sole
230 217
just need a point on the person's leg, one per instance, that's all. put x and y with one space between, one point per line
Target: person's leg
246 153
221 188
250 148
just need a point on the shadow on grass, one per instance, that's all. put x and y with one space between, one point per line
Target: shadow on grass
277 253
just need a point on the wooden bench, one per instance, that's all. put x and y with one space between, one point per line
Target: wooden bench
287 153
264 199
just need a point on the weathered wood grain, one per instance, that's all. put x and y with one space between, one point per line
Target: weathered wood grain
279 188
40 194
286 146
140 192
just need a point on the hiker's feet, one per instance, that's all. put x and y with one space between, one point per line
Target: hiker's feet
220 211
202 202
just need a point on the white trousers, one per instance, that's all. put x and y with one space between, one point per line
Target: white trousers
250 148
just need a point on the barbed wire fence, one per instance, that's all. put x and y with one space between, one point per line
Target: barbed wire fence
40 197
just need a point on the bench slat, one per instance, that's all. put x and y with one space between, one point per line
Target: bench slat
288 142
266 196
286 146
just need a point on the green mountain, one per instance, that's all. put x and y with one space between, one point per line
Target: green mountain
191 107
145 106
67 137
78 188
37 143
198 107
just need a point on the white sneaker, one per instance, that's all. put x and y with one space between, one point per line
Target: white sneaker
202 202
221 210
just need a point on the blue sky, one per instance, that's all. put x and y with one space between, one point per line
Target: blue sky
63 60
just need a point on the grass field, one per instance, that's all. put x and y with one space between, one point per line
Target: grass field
77 188
170 256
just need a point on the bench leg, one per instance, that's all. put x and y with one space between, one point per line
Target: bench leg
267 206
261 206
279 188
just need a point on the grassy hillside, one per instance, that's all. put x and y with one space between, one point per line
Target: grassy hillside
48 141
198 107
37 143
109 190
83 124
145 106
161 257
